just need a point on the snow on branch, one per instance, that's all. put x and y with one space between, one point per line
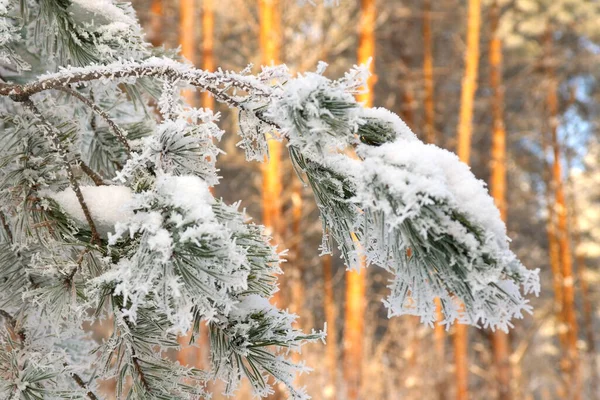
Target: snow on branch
417 210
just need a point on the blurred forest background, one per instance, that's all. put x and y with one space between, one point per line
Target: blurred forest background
513 87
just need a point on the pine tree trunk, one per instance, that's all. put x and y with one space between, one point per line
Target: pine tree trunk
271 170
408 102
469 82
439 333
187 38
354 331
188 355
331 350
571 361
295 270
581 267
356 281
500 340
553 250
208 60
156 22
271 185
430 134
207 101
465 126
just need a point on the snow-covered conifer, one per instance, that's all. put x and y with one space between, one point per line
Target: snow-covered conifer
107 213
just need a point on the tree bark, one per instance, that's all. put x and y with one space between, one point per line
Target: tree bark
271 185
156 22
408 105
581 268
187 39
439 333
571 359
208 34
331 350
500 340
428 80
295 270
465 126
469 86
469 82
356 281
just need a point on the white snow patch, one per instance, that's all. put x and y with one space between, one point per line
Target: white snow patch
107 204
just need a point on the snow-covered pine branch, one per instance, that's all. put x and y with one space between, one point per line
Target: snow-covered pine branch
106 212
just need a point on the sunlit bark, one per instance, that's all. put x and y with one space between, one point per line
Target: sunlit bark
465 127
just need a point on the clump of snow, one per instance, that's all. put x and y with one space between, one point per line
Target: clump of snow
416 195
108 205
189 193
417 173
103 11
393 121
249 305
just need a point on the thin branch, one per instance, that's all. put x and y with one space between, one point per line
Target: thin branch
117 130
9 318
6 227
81 384
12 323
53 135
212 82
94 176
157 68
138 369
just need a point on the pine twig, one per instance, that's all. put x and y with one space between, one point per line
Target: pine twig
82 385
12 323
94 176
212 82
117 130
138 369
6 227
53 135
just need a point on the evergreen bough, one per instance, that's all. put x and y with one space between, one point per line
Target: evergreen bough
107 213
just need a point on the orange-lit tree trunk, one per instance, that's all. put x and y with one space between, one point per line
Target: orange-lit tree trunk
571 360
297 295
408 105
187 38
439 333
553 251
356 281
465 127
581 268
271 185
500 342
294 296
208 37
188 355
430 135
156 22
207 101
272 192
331 351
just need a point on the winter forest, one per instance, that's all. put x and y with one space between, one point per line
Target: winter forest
374 199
